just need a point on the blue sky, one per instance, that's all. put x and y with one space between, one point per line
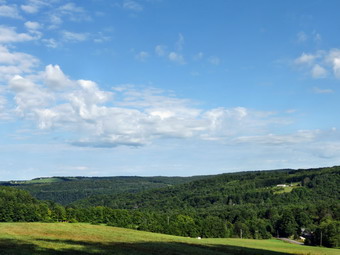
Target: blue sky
160 87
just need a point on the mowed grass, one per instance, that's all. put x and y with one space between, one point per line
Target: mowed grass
67 238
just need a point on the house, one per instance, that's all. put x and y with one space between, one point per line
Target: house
281 185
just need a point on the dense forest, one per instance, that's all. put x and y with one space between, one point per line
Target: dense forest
258 204
65 190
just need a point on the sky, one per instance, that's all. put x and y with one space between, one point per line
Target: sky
167 87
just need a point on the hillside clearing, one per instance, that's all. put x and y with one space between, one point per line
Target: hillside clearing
66 238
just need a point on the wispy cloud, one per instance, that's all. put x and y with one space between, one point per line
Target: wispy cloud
68 36
33 6
9 35
12 63
50 42
317 90
302 37
10 11
132 5
180 43
176 57
214 60
69 11
160 50
142 56
198 56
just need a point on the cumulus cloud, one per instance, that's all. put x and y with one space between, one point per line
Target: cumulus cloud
126 115
29 97
55 79
31 25
321 63
318 71
12 63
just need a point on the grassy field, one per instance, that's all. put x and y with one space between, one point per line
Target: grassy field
67 238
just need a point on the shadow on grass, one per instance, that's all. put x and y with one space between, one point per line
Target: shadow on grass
17 247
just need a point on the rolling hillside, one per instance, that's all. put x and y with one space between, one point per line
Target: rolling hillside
258 204
65 238
65 190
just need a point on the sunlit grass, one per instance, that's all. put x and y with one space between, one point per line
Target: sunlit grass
67 238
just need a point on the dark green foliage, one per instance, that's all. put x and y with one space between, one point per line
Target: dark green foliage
65 190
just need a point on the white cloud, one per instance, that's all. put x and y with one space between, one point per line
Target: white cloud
33 6
12 63
126 116
302 136
3 104
68 11
32 25
9 35
142 56
176 57
70 8
55 79
318 71
50 42
29 97
74 37
10 11
305 59
29 8
321 63
100 37
333 58
132 5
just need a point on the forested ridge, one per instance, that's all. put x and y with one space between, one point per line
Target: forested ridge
65 190
245 204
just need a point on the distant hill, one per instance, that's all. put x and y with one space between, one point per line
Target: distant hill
257 204
65 190
268 188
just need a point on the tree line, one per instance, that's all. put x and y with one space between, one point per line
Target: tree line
244 205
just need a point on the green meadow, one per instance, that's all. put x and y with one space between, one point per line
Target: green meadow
80 238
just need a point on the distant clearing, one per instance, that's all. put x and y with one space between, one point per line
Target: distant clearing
66 238
287 189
